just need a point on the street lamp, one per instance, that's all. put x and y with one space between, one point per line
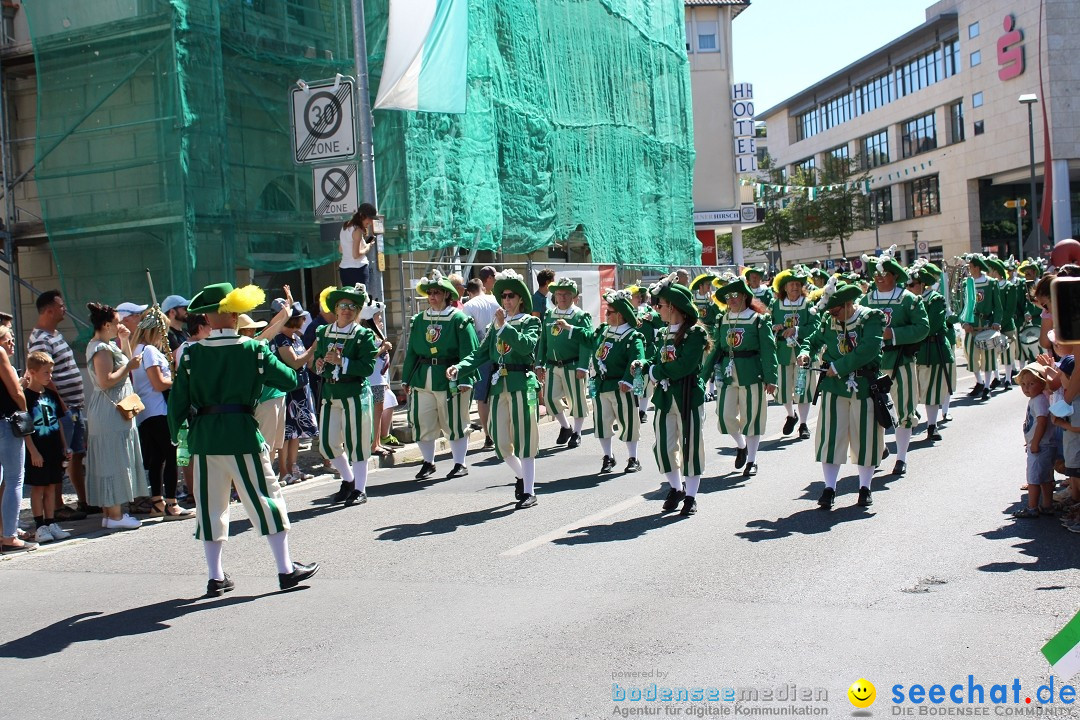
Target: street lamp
1030 99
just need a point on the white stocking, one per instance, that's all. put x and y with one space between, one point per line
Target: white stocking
212 549
903 439
674 480
359 471
739 438
804 412
459 448
752 442
605 445
832 472
693 482
866 474
514 464
528 474
945 404
578 423
427 449
563 422
789 406
631 448
342 466
279 544
931 414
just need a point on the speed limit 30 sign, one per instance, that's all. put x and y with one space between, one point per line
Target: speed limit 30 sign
322 120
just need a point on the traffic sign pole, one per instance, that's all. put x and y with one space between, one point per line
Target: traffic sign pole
367 145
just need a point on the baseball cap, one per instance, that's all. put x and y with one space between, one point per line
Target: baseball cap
172 302
244 322
126 309
297 309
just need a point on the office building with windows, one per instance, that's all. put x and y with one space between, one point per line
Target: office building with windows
935 119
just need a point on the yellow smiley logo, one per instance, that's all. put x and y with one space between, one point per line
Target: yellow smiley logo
862 693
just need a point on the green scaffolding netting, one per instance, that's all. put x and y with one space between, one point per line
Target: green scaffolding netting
164 137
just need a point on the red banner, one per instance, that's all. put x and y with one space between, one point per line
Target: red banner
708 247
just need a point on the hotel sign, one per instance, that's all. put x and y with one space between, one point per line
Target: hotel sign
742 111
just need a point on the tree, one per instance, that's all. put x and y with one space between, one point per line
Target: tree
778 228
839 205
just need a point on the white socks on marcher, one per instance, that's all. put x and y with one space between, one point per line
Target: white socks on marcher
359 471
605 445
563 422
427 449
212 549
514 464
528 474
903 439
804 412
789 406
693 482
674 480
279 544
866 474
739 438
459 448
752 442
932 414
945 404
631 447
342 466
832 473
578 424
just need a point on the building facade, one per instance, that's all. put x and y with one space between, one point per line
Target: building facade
934 119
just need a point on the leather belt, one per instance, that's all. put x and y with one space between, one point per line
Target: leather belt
560 363
235 409
438 362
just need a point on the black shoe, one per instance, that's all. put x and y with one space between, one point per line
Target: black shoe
475 427
632 466
458 471
88 509
574 441
519 489
299 574
489 444
932 434
995 383
526 502
356 497
343 492
945 418
750 470
643 416
789 424
426 470
804 432
564 435
1007 384
827 497
900 468
689 506
986 393
740 457
979 387
885 453
217 588
674 497
709 397
608 464
865 498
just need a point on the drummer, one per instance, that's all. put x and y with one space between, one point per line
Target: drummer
1008 348
1028 318
985 315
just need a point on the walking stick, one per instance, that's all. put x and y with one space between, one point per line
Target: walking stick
150 282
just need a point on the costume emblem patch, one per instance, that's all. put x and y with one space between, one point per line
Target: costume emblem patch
888 316
791 320
556 330
603 351
668 354
434 332
847 343
979 296
502 347
735 337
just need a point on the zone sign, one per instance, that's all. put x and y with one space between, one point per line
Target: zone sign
322 120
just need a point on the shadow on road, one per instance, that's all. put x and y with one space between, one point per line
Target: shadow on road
443 525
1043 539
621 530
94 626
810 521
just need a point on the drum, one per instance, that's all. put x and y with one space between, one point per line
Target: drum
988 339
1030 335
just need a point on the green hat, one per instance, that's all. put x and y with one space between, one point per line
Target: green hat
331 296
924 272
977 260
639 290
735 285
799 273
224 298
700 280
678 295
820 273
510 280
436 279
1030 264
848 277
754 270
619 300
209 298
564 284
995 265
886 262
844 293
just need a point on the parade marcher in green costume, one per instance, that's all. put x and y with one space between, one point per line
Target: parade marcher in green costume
617 345
1029 313
650 326
215 389
906 327
1008 354
679 394
743 361
511 345
345 353
791 317
702 288
563 360
935 353
984 313
755 279
438 338
852 340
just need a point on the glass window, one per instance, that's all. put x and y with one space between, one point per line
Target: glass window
956 117
973 30
919 135
875 149
878 208
807 166
977 100
977 127
706 36
976 58
923 196
952 58
689 34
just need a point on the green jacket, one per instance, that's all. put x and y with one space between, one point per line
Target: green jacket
224 369
614 349
673 367
849 347
765 294
445 337
358 350
935 349
906 317
573 345
649 325
791 316
745 343
708 310
987 303
514 345
1010 304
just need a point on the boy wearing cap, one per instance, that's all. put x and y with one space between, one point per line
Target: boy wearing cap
906 326
618 345
563 352
755 280
438 338
985 313
791 317
1039 442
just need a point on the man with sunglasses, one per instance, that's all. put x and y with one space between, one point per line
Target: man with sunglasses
564 352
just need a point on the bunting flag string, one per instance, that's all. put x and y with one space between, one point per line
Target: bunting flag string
812 191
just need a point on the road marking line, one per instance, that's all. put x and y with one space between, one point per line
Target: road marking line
565 529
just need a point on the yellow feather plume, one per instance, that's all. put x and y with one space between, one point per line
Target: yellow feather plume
778 281
322 298
816 294
242 300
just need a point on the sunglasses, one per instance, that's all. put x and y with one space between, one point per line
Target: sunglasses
507 295
347 306
732 295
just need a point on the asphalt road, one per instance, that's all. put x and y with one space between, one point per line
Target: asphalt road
439 600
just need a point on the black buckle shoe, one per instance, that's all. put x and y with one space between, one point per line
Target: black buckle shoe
489 444
458 471
885 453
574 441
865 498
995 383
356 497
986 393
804 432
300 573
740 457
979 387
674 497
632 466
789 424
526 502
608 464
343 492
217 588
932 434
519 489
900 468
689 506
564 435
945 417
643 416
750 470
828 495
426 470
